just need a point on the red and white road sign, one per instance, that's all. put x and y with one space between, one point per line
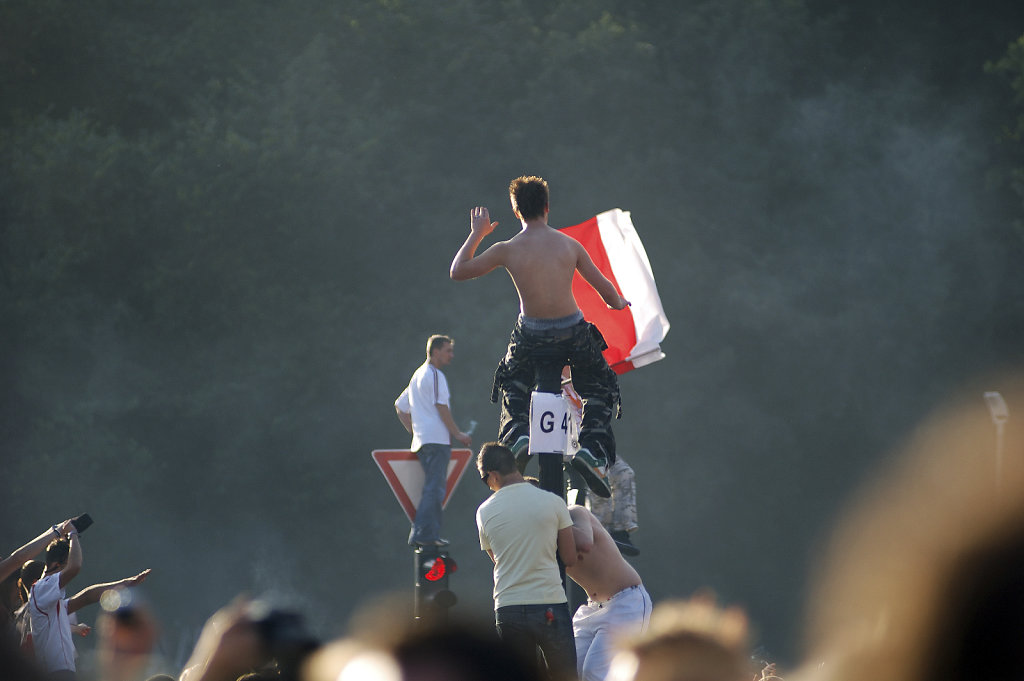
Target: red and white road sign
404 474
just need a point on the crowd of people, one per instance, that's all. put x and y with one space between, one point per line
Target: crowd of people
40 619
922 583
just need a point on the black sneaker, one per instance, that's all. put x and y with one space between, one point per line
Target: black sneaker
622 541
591 469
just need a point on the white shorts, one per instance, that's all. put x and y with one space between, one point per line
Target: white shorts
597 624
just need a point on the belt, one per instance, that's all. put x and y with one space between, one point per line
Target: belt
600 604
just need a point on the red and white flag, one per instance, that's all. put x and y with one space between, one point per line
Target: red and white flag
633 335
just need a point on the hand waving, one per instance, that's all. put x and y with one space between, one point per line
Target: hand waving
480 221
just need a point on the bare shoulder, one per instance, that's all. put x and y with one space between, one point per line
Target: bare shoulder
571 244
549 241
499 250
530 242
565 238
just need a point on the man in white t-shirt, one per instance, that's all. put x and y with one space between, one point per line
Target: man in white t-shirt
51 610
525 530
51 626
424 410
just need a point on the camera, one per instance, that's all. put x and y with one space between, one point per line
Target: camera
81 523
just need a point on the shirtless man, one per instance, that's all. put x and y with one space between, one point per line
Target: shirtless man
617 602
541 261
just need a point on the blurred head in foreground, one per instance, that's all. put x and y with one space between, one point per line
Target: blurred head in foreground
692 640
925 576
386 645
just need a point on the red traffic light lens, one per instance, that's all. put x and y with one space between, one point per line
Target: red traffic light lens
437 571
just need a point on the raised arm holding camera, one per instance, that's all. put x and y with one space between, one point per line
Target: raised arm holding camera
13 562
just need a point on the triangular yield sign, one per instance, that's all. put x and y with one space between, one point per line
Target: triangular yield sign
404 475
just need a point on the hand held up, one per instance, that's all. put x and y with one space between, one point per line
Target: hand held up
480 221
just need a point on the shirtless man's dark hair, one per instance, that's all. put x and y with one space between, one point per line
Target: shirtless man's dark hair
529 195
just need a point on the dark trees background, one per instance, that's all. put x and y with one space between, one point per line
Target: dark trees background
225 232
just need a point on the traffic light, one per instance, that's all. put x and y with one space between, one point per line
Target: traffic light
433 598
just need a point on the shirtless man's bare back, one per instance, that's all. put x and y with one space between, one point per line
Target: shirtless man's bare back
542 261
600 568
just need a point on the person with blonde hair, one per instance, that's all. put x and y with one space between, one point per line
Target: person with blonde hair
687 640
424 410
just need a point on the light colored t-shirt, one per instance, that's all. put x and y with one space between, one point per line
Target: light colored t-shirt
51 627
520 525
427 389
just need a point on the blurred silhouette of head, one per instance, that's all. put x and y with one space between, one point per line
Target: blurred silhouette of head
387 645
924 576
692 640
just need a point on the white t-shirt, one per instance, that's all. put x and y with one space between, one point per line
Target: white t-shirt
519 524
51 627
427 389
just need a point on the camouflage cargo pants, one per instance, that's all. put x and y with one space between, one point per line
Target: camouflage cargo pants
619 511
579 346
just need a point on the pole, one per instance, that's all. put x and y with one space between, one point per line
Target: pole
1000 415
549 424
548 380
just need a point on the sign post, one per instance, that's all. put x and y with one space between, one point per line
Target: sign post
432 565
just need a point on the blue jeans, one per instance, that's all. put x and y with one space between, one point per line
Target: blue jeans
426 526
527 627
